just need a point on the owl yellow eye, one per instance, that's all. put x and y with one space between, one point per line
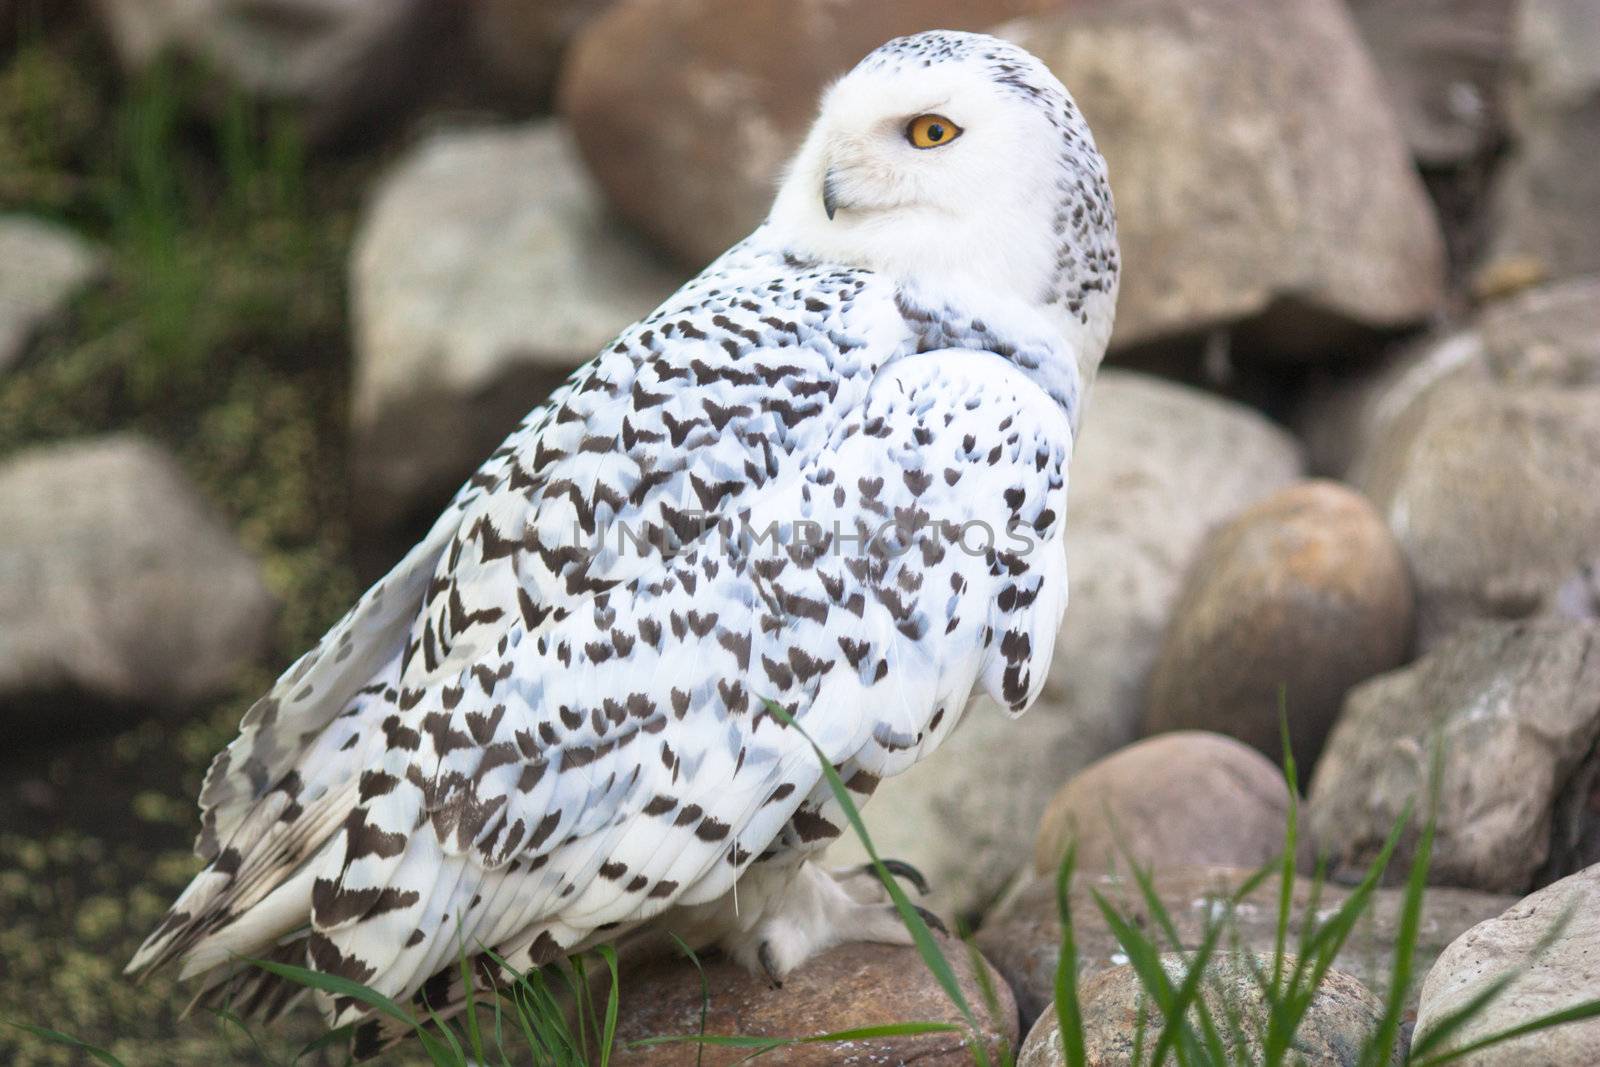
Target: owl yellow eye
931 131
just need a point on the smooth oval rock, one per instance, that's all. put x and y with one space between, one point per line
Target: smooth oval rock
42 268
849 987
1513 709
1343 1014
1303 594
1157 467
485 270
1261 180
1023 937
687 110
120 589
1545 978
1176 800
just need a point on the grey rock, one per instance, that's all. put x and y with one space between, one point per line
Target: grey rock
1547 977
1544 336
42 268
1157 467
119 587
1262 183
1343 1014
1490 491
1546 212
1444 63
1297 599
336 62
485 271
1023 937
1513 709
1180 799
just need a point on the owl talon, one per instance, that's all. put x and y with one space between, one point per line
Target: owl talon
768 964
902 869
933 921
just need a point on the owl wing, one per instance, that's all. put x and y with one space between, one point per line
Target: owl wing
623 760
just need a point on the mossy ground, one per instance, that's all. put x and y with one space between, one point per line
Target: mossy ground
220 332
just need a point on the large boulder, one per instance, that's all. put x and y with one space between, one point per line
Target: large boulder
1549 336
1023 937
485 271
1158 466
1491 494
1261 181
42 268
1548 945
119 587
1512 709
846 988
1546 212
687 110
337 63
1303 595
1176 800
1342 1016
1444 63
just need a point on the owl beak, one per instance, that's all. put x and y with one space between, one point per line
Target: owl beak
830 193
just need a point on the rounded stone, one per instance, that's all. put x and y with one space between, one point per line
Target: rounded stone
1342 1016
1304 594
852 986
1175 800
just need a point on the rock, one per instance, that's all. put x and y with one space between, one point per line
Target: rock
1548 977
1343 1014
1516 709
1444 63
687 111
1545 220
1490 491
484 272
1305 594
519 45
1157 467
848 987
1175 800
338 63
1262 184
42 268
1545 336
118 585
1023 937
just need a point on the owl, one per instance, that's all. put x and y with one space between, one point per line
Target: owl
827 476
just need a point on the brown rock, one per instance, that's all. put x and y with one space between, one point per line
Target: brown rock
1023 937
848 987
1262 183
1514 708
1175 800
1305 594
1343 1015
519 44
1553 976
687 110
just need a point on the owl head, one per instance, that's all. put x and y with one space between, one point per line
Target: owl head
958 161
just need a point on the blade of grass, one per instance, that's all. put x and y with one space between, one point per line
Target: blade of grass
1589 1009
58 1038
705 992
609 1038
1069 1014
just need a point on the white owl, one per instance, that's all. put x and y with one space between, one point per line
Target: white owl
830 472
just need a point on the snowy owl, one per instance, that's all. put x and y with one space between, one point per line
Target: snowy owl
829 473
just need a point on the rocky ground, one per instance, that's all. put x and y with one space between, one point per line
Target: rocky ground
275 275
